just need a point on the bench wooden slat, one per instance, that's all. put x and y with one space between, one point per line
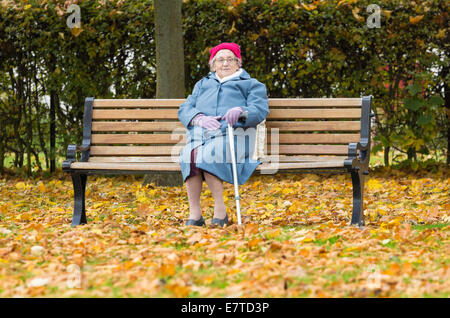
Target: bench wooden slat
149 114
301 158
126 166
273 102
315 102
135 150
135 114
136 126
179 138
165 159
315 138
301 165
310 149
314 125
138 102
143 159
165 150
176 166
137 138
324 113
281 125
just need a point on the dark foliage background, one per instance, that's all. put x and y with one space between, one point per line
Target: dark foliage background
297 48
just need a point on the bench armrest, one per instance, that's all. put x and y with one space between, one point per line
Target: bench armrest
71 155
359 162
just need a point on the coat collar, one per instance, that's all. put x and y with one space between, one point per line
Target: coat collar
244 75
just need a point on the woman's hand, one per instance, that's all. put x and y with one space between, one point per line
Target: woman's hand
232 115
207 122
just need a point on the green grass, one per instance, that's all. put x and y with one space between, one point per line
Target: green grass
422 227
330 240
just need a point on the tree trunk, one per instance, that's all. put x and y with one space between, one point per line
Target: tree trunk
447 108
412 154
386 156
52 131
169 49
170 67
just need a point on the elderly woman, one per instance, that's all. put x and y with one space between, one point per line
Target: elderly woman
217 100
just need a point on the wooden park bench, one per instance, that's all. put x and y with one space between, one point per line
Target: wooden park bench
144 136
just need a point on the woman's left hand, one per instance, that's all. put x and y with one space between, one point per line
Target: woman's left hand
232 115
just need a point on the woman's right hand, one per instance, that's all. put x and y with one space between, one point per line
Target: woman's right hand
207 122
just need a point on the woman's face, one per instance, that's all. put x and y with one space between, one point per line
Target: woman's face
225 63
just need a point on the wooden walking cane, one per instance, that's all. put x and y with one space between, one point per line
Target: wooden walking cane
242 117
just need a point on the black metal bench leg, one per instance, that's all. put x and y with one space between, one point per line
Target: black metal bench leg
358 202
79 190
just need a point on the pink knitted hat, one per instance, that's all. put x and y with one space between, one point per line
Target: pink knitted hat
229 46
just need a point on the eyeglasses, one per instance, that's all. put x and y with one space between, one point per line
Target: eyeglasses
229 60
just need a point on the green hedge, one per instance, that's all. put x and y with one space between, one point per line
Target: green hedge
309 49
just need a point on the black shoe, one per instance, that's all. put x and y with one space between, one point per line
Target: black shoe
199 222
220 222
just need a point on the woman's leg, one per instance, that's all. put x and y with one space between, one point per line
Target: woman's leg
194 189
216 187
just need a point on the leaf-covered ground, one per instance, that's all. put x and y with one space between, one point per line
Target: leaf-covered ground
296 240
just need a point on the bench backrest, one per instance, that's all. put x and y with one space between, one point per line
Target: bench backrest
144 130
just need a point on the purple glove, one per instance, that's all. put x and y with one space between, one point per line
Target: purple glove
232 115
208 122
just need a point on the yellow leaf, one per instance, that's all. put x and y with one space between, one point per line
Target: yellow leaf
273 234
416 19
309 7
42 187
97 205
441 34
387 13
20 185
27 7
161 208
356 15
76 31
233 28
352 249
346 2
294 207
269 206
25 216
374 184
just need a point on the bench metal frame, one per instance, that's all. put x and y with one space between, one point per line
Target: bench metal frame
357 164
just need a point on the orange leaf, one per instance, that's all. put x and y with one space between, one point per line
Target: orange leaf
179 290
167 270
250 229
304 252
254 242
416 19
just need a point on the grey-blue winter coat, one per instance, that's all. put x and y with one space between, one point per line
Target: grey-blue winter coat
213 98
